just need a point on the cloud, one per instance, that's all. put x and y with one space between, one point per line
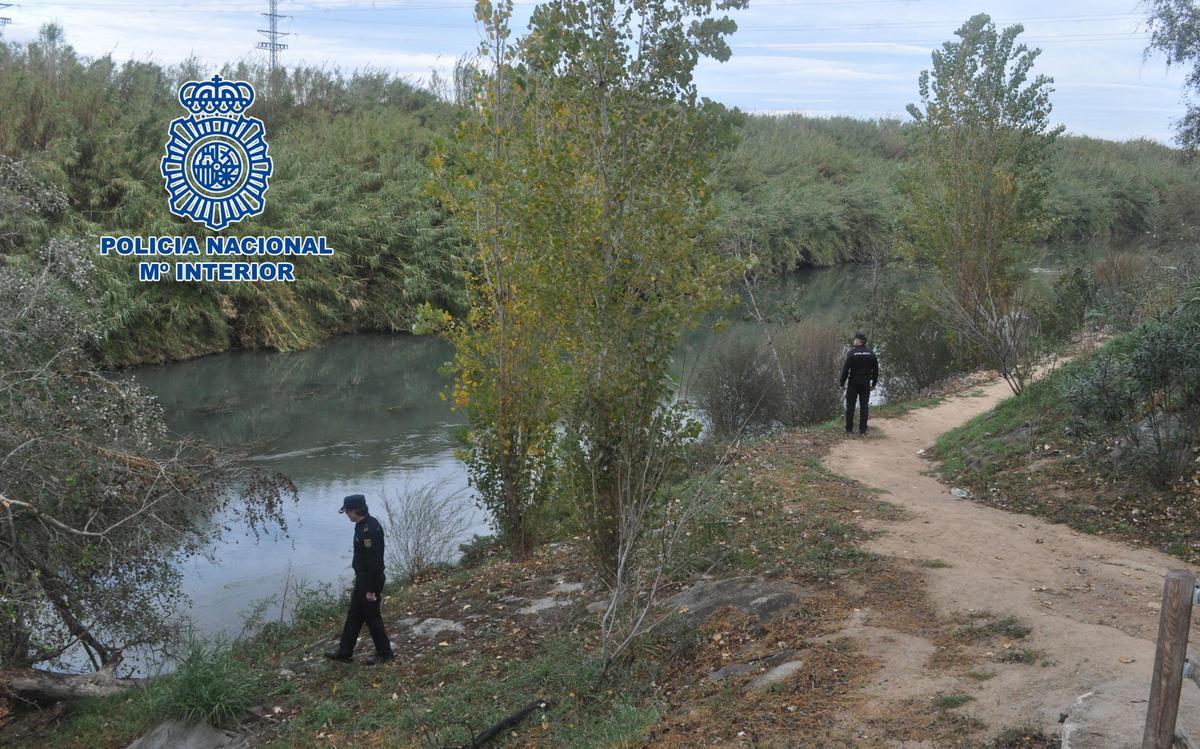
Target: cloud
859 58
848 47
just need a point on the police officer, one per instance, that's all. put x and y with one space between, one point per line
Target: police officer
368 585
862 371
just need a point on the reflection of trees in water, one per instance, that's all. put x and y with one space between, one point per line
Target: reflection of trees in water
364 404
363 401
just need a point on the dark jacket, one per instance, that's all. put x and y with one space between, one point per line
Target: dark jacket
861 365
368 555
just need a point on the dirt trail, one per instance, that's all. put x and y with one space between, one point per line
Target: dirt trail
1092 602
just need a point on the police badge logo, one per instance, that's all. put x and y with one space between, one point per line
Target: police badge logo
216 165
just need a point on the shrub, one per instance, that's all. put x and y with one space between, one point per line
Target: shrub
812 360
789 378
738 386
916 348
479 550
209 684
424 526
1144 392
1066 309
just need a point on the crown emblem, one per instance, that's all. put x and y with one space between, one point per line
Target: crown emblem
216 166
216 97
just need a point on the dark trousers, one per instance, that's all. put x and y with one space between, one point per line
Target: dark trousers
860 392
361 612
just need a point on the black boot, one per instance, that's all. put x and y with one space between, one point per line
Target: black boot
378 659
337 655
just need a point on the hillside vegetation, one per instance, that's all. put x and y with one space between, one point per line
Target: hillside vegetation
351 163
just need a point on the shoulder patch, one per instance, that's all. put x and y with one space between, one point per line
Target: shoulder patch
367 542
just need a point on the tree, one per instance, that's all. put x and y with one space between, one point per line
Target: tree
1175 31
976 189
504 362
627 252
97 505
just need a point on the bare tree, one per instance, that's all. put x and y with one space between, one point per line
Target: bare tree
424 527
97 503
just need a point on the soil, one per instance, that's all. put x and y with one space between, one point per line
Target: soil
1091 603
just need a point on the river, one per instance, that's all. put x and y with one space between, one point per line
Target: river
364 414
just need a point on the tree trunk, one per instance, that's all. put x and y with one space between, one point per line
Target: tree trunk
44 686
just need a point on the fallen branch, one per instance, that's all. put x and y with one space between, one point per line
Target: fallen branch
45 686
504 725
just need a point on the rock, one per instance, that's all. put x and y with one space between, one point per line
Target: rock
286 673
737 669
175 734
567 588
434 627
752 595
541 604
597 607
774 676
740 669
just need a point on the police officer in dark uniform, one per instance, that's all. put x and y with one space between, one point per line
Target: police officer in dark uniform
861 370
368 585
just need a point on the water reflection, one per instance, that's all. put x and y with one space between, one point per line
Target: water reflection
358 414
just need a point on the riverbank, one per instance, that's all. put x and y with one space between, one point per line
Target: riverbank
787 625
833 594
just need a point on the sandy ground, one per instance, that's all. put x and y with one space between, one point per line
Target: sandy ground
1092 602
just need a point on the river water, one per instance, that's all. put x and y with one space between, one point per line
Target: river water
363 414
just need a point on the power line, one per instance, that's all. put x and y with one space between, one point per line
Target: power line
273 45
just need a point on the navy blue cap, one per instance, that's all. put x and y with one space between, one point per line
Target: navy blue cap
861 337
356 502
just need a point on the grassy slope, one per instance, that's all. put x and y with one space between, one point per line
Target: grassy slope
1020 456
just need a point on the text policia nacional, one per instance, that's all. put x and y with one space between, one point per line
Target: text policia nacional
223 270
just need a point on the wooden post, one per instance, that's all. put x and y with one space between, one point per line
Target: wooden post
1169 656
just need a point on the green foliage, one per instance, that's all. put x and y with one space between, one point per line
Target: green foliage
349 164
209 684
505 366
628 253
810 191
1067 307
1146 395
976 190
1175 31
917 347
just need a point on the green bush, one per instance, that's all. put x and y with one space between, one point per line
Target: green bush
737 388
1068 307
1143 394
209 684
750 382
916 347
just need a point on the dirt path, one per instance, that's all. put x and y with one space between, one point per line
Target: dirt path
1092 603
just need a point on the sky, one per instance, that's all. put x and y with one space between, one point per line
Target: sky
859 58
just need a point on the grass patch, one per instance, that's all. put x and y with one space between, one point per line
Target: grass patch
1026 737
951 701
935 564
978 630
